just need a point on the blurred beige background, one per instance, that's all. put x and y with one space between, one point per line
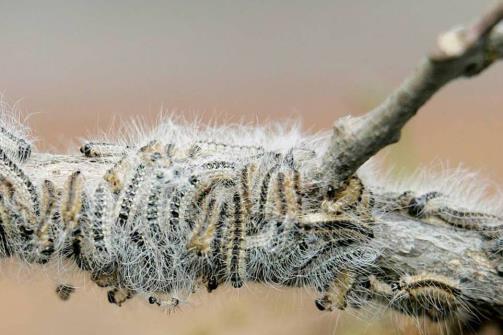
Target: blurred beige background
75 68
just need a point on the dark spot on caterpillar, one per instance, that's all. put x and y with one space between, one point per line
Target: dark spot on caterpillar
64 291
111 297
320 304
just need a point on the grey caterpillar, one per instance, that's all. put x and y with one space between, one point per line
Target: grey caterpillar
188 210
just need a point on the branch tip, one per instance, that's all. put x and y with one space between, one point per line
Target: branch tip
460 52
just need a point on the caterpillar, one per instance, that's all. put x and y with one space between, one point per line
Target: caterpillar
185 209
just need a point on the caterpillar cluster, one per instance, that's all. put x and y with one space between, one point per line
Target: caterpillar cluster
185 212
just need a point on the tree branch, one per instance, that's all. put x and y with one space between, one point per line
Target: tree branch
408 245
459 53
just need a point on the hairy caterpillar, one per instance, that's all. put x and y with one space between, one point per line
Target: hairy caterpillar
181 209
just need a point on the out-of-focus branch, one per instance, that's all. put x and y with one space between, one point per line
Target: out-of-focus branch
460 52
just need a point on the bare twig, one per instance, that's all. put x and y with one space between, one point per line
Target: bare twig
459 53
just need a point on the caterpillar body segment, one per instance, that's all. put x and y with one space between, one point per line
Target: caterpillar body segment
236 257
168 303
64 291
116 175
103 149
216 270
45 235
99 236
213 147
19 147
434 296
437 208
128 197
143 248
118 296
336 293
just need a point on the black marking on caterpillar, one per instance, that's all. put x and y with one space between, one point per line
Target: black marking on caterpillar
101 149
152 154
174 302
246 189
197 208
469 220
280 194
65 291
205 190
336 292
153 208
259 220
48 201
348 197
130 194
137 238
289 159
83 224
100 209
416 205
118 296
463 219
410 283
218 165
236 258
175 209
216 248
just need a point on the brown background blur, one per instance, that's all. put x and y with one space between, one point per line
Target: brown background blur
75 69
